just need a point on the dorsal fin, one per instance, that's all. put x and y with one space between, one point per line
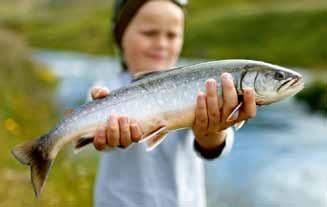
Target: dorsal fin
68 112
141 75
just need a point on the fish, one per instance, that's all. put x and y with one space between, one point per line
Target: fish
161 101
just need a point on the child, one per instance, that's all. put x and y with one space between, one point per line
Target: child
149 36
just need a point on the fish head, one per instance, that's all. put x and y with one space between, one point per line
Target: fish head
271 83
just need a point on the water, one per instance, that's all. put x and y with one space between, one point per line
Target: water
77 73
278 159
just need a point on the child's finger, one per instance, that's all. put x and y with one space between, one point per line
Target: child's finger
99 92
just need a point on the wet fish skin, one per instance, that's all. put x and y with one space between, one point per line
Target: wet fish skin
161 101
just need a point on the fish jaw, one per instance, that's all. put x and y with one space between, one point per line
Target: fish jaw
290 89
271 83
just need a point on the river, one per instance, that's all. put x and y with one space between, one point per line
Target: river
278 159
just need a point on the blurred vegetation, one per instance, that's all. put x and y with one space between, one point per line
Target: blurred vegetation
315 95
62 25
282 32
294 38
25 86
287 32
27 110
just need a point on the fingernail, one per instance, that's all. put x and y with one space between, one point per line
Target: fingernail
102 131
211 83
247 90
97 94
227 76
112 116
201 93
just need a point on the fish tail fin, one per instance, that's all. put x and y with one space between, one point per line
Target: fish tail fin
30 153
39 174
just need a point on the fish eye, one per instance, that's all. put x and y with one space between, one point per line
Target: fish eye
279 75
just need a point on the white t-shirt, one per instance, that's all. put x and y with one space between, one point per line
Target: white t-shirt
171 175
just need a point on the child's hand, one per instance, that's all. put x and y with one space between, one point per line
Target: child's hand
119 131
99 92
212 112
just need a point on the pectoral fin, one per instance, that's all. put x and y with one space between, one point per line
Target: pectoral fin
235 113
239 125
155 138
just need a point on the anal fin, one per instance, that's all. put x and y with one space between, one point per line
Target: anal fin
155 138
155 141
82 143
239 125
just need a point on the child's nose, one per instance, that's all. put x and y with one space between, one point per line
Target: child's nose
162 41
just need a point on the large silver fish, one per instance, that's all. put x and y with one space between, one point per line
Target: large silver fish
161 101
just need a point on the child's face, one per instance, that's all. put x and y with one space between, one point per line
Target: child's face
154 38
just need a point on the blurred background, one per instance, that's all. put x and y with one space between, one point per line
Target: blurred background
51 51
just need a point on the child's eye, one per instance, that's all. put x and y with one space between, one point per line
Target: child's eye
171 35
149 33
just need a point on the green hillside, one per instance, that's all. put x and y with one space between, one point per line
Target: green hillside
283 32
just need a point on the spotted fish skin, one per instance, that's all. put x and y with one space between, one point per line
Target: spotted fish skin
161 101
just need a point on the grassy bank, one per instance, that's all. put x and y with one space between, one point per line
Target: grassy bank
27 110
283 32
315 96
294 38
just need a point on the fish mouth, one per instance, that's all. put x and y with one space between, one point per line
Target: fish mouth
298 83
291 83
